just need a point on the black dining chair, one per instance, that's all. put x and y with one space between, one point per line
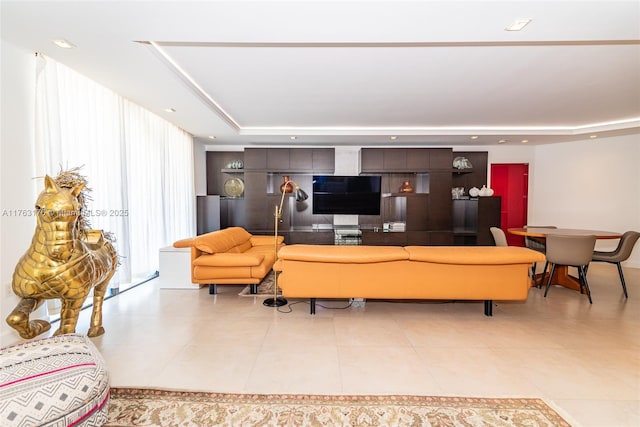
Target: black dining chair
621 253
573 251
499 237
537 244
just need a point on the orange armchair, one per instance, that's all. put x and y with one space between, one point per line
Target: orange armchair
230 257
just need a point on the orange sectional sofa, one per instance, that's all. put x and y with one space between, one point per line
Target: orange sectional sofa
231 256
413 272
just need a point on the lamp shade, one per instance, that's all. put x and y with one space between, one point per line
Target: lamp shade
300 195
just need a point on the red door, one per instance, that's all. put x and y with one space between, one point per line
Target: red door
511 182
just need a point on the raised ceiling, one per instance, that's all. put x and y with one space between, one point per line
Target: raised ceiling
340 73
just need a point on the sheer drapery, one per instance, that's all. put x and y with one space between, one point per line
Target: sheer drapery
139 166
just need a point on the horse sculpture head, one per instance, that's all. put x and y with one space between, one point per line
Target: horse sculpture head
57 213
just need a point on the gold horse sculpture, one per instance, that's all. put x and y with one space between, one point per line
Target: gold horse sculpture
65 261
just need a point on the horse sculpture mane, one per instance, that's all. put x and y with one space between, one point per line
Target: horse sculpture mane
65 261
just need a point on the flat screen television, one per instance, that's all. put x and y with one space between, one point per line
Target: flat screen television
346 195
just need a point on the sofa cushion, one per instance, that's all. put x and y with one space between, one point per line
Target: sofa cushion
342 254
222 240
266 241
229 260
474 255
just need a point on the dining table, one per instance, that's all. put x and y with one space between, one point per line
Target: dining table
561 274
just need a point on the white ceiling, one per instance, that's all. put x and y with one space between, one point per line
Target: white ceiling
340 73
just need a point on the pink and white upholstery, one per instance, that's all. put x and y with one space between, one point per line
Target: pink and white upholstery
57 381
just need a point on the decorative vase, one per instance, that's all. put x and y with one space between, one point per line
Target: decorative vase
474 192
406 187
286 186
486 192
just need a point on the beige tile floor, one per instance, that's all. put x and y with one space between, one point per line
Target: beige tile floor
583 359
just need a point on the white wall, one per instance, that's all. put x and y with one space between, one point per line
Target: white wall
592 184
18 189
200 168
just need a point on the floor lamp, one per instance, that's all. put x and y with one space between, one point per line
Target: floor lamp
300 196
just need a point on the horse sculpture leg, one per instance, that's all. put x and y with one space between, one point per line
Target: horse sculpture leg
69 315
19 319
99 291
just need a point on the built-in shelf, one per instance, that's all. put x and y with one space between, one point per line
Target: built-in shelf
402 194
226 170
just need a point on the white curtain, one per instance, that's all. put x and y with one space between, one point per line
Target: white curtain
139 166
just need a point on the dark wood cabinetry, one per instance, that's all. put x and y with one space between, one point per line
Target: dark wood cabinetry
409 238
440 201
326 237
413 160
232 213
290 160
256 208
377 238
216 162
474 177
472 219
488 216
429 215
262 175
426 212
254 159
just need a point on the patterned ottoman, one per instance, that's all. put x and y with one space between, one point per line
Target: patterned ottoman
57 381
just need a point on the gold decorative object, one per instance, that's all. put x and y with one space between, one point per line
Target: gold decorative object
406 187
300 196
65 260
286 186
234 187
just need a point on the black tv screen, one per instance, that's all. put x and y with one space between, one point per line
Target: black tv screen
346 195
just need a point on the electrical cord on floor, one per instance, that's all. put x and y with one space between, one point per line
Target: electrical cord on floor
393 301
290 309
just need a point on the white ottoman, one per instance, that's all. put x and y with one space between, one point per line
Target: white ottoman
57 381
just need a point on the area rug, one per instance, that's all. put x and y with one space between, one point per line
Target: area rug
264 288
152 407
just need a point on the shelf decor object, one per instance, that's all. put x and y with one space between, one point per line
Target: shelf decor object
462 163
286 186
234 187
485 191
406 187
236 164
299 196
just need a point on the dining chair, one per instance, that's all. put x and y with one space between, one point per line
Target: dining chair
621 253
572 251
498 236
538 244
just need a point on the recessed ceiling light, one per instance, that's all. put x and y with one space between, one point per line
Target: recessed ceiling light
212 137
502 141
393 138
293 137
524 141
474 137
593 136
65 44
170 110
517 25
